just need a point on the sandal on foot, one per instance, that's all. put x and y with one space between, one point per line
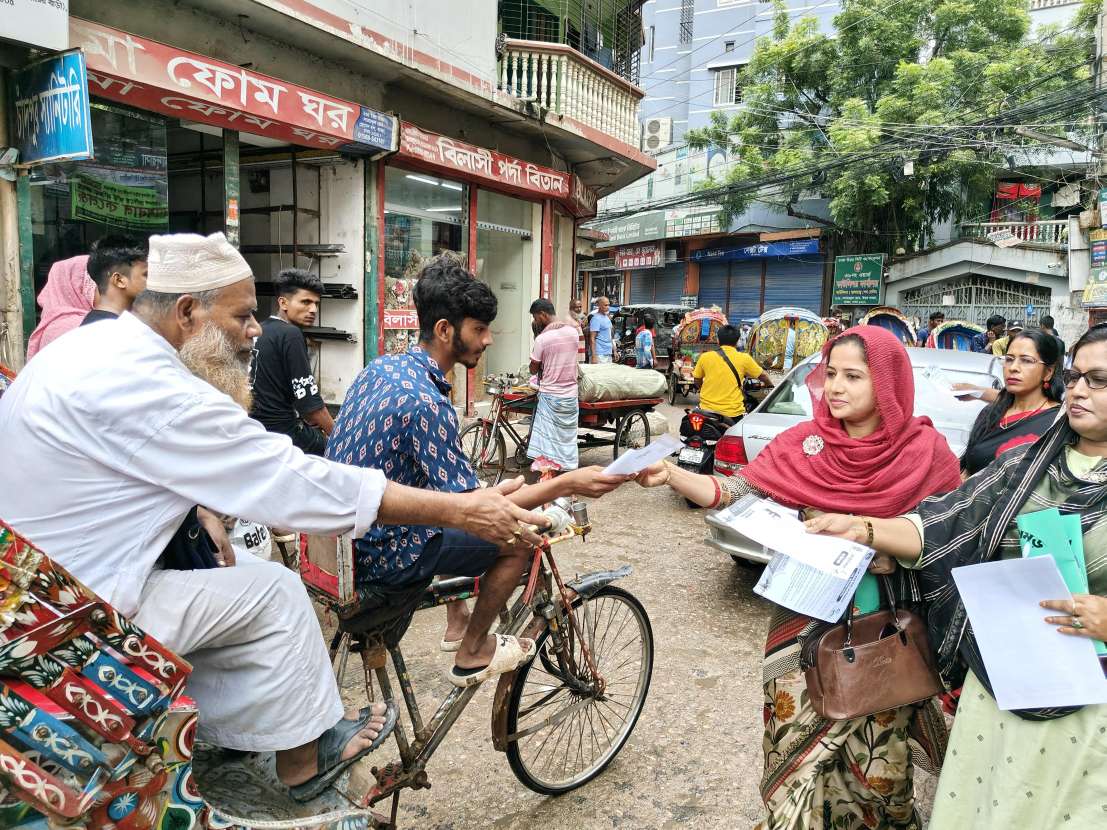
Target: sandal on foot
450 646
511 652
328 750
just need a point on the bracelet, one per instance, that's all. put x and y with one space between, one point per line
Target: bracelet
869 532
718 493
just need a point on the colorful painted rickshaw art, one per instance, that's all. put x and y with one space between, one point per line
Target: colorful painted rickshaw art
895 321
786 336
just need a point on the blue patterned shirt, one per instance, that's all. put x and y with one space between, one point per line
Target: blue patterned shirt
398 418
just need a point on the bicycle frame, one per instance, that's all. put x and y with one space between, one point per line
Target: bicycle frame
544 602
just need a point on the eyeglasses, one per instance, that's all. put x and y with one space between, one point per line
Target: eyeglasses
1025 362
1094 379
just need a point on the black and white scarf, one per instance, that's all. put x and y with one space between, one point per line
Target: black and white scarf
974 523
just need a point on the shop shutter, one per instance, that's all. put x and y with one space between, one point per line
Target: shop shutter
745 290
713 285
796 281
669 283
641 287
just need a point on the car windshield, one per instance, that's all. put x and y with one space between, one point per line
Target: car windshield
931 390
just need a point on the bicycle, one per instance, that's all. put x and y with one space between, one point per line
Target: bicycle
483 440
561 718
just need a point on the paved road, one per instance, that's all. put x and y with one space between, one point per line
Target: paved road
694 759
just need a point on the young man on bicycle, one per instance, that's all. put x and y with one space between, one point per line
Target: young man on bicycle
398 418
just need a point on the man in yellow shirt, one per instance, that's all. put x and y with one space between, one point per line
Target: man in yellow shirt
719 375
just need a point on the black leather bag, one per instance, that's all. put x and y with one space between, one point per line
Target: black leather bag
191 548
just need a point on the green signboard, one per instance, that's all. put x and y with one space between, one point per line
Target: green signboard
641 227
124 206
858 280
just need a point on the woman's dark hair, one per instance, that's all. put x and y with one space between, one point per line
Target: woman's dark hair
446 291
1096 334
1049 352
856 339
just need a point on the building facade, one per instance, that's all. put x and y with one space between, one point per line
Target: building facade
354 142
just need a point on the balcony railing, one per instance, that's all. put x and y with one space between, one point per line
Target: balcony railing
1051 232
564 82
1035 5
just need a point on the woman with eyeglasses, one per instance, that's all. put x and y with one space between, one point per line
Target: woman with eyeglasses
1031 767
1026 405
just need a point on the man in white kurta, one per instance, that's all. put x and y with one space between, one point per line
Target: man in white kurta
110 440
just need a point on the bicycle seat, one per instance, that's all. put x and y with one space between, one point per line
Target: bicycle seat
382 610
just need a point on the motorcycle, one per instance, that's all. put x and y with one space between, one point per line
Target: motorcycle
701 429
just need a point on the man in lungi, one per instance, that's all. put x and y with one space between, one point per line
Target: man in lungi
111 436
553 433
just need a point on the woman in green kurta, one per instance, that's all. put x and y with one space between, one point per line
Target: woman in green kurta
1030 768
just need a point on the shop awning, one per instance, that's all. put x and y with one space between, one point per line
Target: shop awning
148 75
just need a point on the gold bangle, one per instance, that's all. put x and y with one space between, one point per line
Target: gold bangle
869 532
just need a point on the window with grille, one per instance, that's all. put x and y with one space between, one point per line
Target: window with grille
687 11
653 38
726 87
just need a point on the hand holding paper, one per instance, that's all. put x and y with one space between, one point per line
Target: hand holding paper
635 461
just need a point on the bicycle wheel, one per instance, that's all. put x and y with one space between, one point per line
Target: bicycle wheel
560 735
633 433
488 461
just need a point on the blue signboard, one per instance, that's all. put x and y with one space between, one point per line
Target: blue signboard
374 132
52 121
759 250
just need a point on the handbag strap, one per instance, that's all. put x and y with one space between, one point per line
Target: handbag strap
891 594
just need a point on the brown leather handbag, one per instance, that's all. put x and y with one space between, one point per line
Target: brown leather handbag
870 664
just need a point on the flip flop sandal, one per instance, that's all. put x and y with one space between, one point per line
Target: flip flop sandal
329 748
450 646
510 653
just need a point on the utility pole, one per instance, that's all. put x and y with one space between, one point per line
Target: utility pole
1100 85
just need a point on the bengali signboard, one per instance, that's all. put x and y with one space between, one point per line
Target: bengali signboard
858 280
123 206
149 75
1103 208
1097 247
640 256
400 318
641 227
758 250
52 120
1095 291
503 171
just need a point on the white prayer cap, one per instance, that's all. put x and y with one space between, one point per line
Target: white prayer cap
187 263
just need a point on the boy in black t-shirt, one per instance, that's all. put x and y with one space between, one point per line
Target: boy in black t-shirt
117 264
286 396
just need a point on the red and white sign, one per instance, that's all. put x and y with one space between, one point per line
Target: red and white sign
640 256
400 318
150 75
505 172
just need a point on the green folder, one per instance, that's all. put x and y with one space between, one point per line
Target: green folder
1048 533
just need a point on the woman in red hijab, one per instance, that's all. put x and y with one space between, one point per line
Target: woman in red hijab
69 294
864 451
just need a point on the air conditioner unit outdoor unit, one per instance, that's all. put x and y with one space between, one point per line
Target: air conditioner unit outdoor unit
657 133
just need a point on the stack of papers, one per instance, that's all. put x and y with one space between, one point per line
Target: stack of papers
1048 533
812 575
1029 664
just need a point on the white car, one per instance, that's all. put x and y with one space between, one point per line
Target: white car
790 403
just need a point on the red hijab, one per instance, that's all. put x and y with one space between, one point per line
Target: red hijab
816 464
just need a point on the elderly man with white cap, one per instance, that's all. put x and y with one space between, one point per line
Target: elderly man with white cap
114 432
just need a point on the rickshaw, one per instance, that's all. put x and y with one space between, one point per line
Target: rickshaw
783 337
697 333
954 334
894 320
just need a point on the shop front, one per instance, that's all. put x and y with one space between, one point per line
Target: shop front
511 222
184 142
747 280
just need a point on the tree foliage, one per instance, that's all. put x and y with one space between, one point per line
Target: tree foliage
897 82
